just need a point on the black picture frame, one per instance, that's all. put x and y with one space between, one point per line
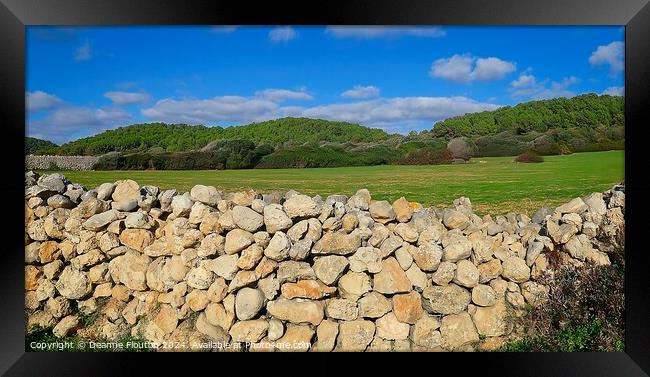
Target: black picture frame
634 14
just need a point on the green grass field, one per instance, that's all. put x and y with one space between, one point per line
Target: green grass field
495 185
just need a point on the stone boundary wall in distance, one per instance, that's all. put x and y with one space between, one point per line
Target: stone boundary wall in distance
33 162
286 271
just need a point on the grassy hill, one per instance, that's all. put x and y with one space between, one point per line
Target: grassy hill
181 137
588 111
34 145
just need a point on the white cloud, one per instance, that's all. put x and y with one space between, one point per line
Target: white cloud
84 52
126 98
217 109
611 54
282 34
390 111
524 81
360 91
527 85
39 100
279 95
615 91
60 125
382 112
467 68
372 32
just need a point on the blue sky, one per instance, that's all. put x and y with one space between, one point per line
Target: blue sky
84 80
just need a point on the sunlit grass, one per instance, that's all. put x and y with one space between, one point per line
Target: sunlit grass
495 185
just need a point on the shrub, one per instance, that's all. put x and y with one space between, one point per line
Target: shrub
312 156
462 147
585 311
529 157
226 154
502 144
427 156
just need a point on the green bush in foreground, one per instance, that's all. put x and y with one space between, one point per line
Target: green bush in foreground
585 312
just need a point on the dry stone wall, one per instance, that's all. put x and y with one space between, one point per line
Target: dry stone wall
290 271
33 162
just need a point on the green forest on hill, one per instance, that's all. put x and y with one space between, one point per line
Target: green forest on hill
548 127
34 145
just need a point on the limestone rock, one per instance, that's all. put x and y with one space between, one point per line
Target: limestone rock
296 311
390 328
366 259
493 320
275 219
326 334
341 308
247 219
489 270
374 305
200 277
237 240
329 268
73 284
337 243
355 336
408 307
483 295
515 269
126 190
137 239
360 200
65 326
300 206
205 194
381 211
243 278
292 271
278 248
576 205
354 285
248 302
403 257
130 269
426 256
407 232
403 210
417 277
458 331
455 220
181 205
295 339
449 299
249 331
311 289
458 248
276 329
467 275
391 279
98 221
250 257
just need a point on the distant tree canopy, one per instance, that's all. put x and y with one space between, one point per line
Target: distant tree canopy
229 154
183 137
34 145
588 111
